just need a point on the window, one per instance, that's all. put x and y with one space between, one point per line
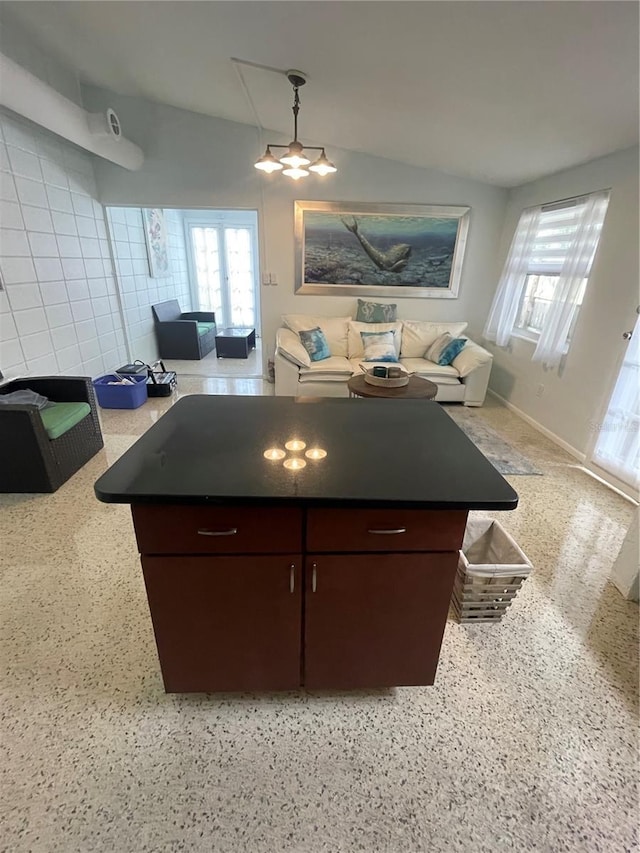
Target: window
545 277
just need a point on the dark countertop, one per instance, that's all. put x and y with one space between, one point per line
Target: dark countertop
210 449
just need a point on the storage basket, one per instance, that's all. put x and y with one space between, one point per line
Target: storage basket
491 569
121 396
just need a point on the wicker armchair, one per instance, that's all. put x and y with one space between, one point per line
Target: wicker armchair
29 460
183 335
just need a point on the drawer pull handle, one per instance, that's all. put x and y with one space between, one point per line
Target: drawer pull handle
230 532
292 578
388 532
314 577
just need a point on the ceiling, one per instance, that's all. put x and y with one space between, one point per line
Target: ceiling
502 92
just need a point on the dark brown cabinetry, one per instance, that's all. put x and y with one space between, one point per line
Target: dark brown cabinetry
251 598
226 623
375 620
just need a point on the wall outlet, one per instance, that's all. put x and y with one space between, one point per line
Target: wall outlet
540 390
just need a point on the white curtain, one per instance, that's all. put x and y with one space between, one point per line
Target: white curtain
589 216
506 302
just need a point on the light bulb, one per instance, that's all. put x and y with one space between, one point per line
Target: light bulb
315 453
295 444
294 464
274 454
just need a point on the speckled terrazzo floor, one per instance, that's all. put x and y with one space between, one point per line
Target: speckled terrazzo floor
527 742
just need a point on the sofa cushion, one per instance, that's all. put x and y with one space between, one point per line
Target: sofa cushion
470 357
336 368
166 312
356 349
444 374
376 312
205 328
289 345
334 328
418 335
379 346
315 343
57 418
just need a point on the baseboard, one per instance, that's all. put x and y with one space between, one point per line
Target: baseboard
581 457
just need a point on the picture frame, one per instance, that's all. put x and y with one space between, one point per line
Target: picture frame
388 250
155 234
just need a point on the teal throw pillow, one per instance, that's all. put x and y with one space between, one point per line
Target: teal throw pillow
451 351
315 343
375 312
379 346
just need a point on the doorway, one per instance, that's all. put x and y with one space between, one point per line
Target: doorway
222 248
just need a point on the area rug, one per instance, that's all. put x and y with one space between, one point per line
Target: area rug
500 453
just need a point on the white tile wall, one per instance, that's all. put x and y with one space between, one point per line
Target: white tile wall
138 290
60 312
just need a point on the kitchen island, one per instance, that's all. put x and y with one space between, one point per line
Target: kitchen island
301 543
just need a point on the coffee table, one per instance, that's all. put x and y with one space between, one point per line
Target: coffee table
235 343
416 389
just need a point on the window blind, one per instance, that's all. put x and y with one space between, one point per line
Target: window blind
555 235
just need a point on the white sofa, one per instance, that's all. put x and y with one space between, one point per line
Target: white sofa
465 380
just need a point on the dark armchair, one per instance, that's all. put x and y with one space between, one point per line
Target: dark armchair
31 461
189 336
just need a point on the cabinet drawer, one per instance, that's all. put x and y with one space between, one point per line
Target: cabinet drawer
217 530
385 530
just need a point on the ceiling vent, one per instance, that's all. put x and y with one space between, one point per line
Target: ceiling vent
105 124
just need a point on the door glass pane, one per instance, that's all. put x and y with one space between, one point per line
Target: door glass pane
618 446
206 254
241 279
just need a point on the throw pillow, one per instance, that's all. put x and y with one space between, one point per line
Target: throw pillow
355 341
334 328
379 346
444 349
418 335
376 312
451 351
315 343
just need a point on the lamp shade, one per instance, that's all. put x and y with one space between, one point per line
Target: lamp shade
295 156
295 173
268 163
322 166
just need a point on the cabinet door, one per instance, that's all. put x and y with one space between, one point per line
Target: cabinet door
226 623
375 620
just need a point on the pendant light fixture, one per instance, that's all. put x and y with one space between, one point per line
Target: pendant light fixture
295 163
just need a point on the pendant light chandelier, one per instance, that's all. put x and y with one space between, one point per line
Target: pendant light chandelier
295 163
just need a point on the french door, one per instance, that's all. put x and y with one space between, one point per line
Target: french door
617 447
224 271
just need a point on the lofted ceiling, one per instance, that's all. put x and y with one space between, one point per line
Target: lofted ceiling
502 92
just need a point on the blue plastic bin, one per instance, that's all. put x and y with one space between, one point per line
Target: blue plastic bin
121 396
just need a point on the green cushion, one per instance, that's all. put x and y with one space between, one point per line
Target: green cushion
60 417
203 328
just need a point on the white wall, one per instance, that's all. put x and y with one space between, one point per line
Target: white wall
25 49
138 290
192 160
59 312
572 402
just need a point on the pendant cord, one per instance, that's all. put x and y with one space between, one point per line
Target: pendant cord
296 109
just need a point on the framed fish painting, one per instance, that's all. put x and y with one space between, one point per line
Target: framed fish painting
155 234
361 249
